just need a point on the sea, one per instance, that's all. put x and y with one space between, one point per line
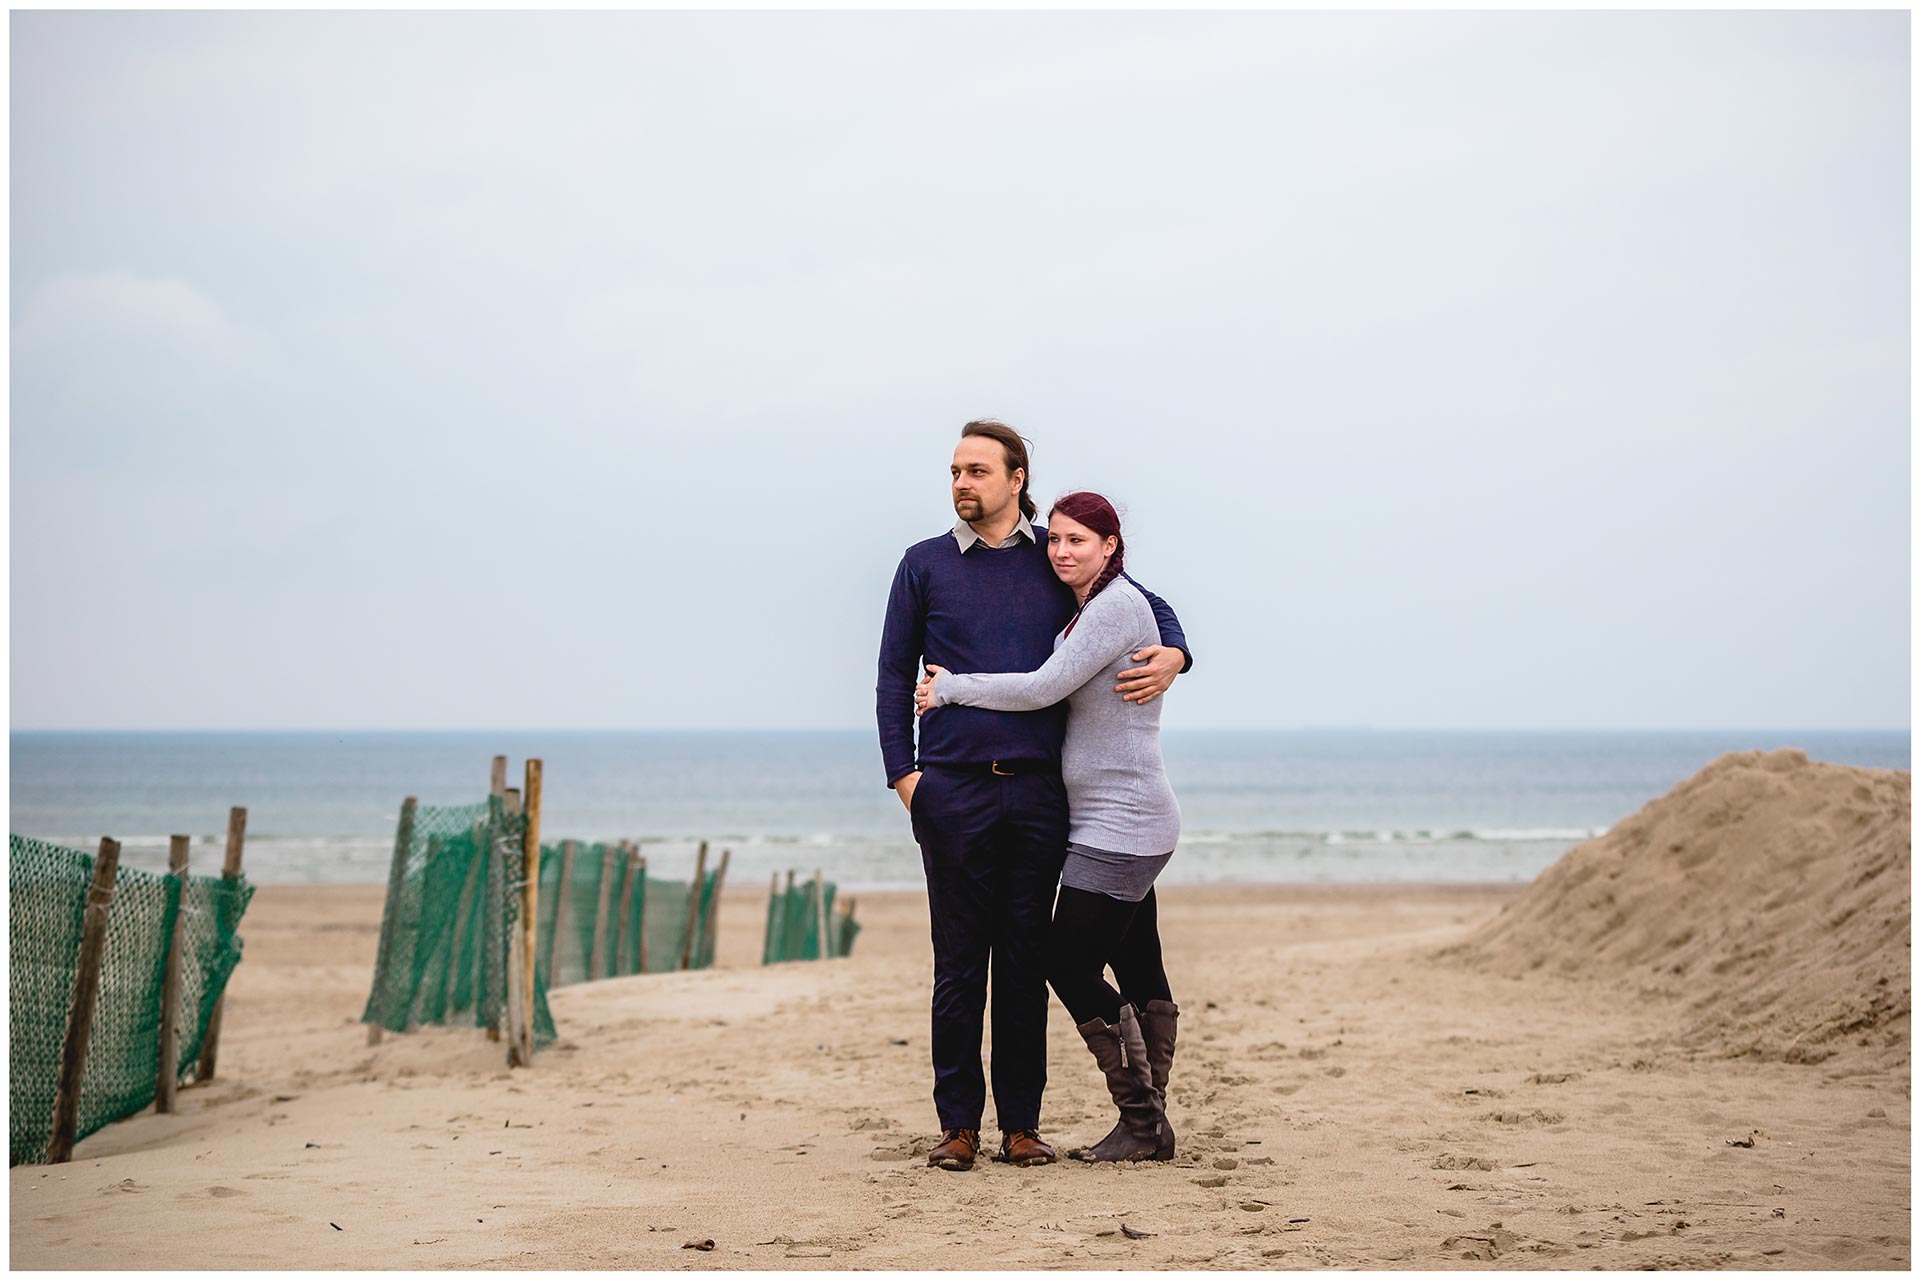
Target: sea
1350 806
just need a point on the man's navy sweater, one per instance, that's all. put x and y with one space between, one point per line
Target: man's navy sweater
990 609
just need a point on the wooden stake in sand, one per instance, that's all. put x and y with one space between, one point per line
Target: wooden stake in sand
625 908
86 986
497 785
530 906
561 895
597 951
229 872
167 1077
693 905
390 918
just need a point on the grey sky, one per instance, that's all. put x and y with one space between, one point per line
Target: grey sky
1500 370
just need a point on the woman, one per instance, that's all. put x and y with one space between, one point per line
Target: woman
1123 822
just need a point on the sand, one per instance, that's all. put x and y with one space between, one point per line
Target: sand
1372 1077
1768 895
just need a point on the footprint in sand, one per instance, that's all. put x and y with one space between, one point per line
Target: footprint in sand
1484 1246
1535 1117
1449 1161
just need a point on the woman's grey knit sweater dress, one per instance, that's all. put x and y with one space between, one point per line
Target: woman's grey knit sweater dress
1118 798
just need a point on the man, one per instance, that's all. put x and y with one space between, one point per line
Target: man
984 794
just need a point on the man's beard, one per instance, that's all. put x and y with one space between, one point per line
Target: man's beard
969 509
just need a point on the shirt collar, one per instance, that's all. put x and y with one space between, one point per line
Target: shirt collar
967 536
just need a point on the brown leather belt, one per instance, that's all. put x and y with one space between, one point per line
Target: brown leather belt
1004 769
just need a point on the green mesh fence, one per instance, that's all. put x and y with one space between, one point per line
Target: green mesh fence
664 923
601 891
46 905
453 895
793 924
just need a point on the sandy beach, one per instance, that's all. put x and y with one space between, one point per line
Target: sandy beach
1359 1084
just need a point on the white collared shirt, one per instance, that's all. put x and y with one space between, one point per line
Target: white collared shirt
967 536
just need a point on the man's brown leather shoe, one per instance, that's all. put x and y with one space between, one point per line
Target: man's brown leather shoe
1025 1147
957 1150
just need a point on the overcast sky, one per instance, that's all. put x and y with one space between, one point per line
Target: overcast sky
593 370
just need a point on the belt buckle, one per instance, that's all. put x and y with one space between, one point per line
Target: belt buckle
1003 773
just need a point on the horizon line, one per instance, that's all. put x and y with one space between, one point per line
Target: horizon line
844 729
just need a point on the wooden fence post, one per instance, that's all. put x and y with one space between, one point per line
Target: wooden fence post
167 1079
561 889
531 905
597 950
693 906
86 986
229 872
390 918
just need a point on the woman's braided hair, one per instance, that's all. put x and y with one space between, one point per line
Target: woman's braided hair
1097 514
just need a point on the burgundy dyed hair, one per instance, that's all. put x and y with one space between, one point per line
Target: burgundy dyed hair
1097 514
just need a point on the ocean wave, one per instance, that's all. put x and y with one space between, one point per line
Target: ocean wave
1412 836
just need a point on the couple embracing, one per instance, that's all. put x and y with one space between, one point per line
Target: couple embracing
1035 666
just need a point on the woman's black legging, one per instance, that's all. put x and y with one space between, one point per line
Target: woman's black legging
1092 931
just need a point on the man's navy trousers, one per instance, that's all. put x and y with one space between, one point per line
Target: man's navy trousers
992 845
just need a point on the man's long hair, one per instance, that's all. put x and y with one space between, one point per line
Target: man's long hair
1097 514
1016 446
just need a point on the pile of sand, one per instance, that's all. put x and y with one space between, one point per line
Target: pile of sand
1768 894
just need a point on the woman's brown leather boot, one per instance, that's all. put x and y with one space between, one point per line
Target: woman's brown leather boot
1159 1021
1121 1052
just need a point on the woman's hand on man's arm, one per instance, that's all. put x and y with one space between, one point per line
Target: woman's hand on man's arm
923 692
